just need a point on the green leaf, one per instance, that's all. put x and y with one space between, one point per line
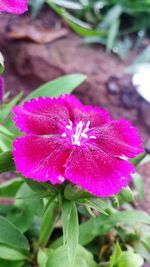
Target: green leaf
6 162
66 211
125 258
36 6
55 88
70 228
6 263
130 259
72 234
48 221
112 15
5 209
139 185
101 225
67 4
11 236
37 186
116 255
5 143
10 188
8 253
112 34
42 257
24 208
1 63
6 108
96 204
77 25
141 249
59 258
143 57
5 131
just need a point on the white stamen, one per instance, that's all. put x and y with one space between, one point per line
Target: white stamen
64 135
123 157
88 124
78 132
84 135
92 137
69 127
70 122
61 178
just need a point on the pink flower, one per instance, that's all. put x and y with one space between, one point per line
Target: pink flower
67 141
13 6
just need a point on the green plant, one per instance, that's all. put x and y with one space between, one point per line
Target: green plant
118 24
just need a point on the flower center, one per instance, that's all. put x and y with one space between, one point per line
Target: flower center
78 132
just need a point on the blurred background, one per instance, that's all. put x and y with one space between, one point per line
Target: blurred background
108 40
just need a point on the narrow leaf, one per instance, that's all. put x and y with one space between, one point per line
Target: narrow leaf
10 188
48 221
11 236
73 234
55 88
6 162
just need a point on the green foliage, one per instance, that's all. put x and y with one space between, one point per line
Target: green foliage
125 258
7 108
11 236
10 188
110 22
55 88
138 182
6 162
6 263
103 224
70 229
59 258
48 222
24 208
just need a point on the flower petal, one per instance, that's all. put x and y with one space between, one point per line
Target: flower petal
40 158
79 112
97 172
13 6
41 116
119 139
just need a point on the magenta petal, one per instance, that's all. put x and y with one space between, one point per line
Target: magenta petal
97 172
79 112
40 158
41 116
119 138
13 6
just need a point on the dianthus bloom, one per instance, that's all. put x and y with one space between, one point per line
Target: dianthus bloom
67 141
13 6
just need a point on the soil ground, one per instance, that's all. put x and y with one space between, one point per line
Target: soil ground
41 49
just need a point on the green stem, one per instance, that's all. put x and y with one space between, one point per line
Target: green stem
138 159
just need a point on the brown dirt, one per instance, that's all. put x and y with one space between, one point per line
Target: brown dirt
29 64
